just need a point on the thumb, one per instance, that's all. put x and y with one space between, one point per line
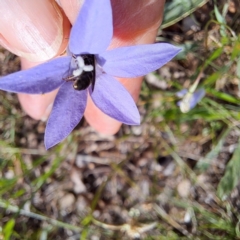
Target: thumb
36 31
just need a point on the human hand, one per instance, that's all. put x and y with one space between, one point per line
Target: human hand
40 31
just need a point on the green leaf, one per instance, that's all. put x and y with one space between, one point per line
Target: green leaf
7 184
236 49
187 47
218 15
210 80
223 96
220 18
8 229
231 177
214 56
176 10
43 178
204 163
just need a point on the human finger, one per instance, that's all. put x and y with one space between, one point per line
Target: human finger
35 30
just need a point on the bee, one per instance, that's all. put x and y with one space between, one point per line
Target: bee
84 75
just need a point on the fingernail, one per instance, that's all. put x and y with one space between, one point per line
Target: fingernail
32 29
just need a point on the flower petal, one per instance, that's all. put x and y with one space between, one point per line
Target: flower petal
67 112
190 100
113 99
197 97
93 29
135 61
181 93
38 80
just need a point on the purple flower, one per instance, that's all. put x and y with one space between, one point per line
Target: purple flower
91 68
189 99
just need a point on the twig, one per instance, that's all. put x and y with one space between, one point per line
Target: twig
15 209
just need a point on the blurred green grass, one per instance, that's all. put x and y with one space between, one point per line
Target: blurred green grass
212 124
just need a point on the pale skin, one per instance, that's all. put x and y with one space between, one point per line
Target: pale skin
39 30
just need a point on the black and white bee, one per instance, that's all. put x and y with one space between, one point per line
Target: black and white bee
84 74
